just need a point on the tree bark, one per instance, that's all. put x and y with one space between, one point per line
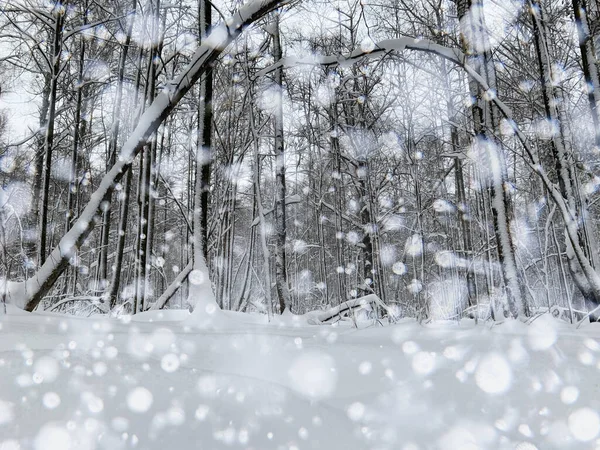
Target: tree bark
281 281
588 63
205 114
59 14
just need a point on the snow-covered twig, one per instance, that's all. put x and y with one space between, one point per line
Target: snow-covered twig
95 301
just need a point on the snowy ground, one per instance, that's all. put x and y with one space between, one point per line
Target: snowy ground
155 383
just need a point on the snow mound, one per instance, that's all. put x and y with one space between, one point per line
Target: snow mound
154 382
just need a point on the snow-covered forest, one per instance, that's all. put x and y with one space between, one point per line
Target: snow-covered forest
299 224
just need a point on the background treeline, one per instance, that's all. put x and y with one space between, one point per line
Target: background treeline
441 183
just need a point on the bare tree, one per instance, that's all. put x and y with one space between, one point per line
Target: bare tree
31 292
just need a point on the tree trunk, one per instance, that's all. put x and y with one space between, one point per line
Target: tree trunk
59 15
589 63
39 165
112 157
73 175
281 281
206 115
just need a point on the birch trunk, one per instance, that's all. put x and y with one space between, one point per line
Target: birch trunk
281 282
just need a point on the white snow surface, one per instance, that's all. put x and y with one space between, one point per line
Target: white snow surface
154 382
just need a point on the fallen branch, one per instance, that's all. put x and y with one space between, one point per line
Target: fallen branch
323 317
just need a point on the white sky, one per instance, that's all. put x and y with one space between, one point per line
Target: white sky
21 108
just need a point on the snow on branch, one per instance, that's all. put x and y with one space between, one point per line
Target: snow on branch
97 302
381 48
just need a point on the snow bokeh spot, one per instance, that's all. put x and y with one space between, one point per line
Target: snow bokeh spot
410 347
47 368
217 38
196 277
367 45
365 367
313 374
542 333
584 424
16 198
202 412
139 400
6 412
169 363
207 386
415 286
423 363
176 416
51 400
356 411
569 395
493 374
93 403
414 245
399 268
53 436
